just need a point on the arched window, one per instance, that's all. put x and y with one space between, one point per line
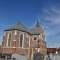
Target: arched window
21 40
9 39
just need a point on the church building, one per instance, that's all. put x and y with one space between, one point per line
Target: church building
24 41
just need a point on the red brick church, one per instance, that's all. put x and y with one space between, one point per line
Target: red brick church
24 41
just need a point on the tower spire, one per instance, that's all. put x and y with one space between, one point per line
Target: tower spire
38 23
18 22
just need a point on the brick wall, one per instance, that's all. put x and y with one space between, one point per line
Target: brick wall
27 38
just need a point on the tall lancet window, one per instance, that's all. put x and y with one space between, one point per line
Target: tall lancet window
21 40
9 39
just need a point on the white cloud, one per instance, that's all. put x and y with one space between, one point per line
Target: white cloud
56 10
52 14
52 28
55 20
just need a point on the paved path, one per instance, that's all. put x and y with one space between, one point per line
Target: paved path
4 59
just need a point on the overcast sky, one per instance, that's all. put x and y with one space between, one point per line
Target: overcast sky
28 12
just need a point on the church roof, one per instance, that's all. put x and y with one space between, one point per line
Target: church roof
17 26
36 30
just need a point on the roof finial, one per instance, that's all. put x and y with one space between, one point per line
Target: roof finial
18 21
38 23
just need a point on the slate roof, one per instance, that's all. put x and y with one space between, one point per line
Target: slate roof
36 30
19 26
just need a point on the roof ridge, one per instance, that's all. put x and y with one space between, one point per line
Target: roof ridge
18 26
22 24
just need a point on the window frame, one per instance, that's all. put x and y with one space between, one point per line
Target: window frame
8 39
22 40
36 39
